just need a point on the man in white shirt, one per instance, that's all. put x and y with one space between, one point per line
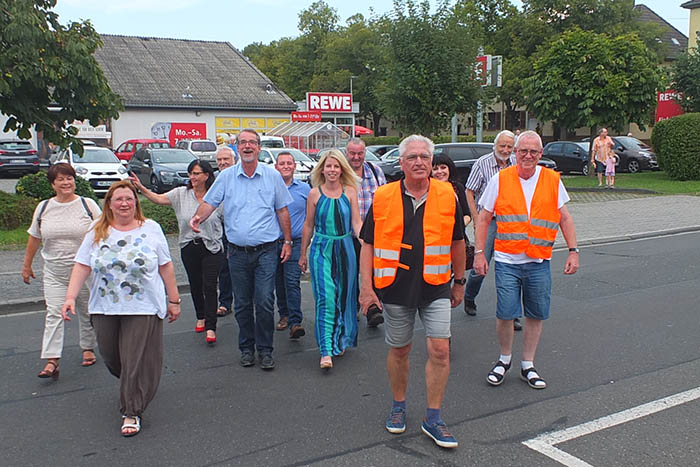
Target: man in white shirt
529 203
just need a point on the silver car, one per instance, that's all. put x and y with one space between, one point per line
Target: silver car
203 149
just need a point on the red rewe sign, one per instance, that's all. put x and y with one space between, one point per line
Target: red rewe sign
328 102
180 131
314 116
666 105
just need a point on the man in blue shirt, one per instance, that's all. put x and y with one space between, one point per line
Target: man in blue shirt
288 286
255 209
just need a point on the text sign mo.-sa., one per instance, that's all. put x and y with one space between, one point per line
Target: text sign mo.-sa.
328 102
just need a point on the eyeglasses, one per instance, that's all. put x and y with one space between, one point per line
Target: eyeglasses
196 173
246 142
414 157
123 200
531 152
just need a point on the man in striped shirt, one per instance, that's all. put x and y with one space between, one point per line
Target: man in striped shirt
486 167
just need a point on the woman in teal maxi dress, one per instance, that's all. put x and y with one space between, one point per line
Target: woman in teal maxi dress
333 217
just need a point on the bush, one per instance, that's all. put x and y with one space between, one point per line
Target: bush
37 186
164 215
676 142
15 211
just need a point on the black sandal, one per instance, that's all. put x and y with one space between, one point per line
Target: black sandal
499 377
534 379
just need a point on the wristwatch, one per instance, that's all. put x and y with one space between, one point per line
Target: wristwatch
573 250
288 242
461 281
179 300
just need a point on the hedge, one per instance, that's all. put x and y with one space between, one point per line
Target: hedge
676 142
385 140
37 186
16 210
164 215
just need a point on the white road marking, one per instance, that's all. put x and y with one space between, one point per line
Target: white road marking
545 442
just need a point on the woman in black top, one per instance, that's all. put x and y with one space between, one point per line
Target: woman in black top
444 169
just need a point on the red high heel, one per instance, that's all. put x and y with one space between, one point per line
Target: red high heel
49 373
211 339
198 328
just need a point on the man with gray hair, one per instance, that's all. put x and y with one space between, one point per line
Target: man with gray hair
413 238
371 178
482 171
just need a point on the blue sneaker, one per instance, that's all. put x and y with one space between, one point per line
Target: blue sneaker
439 433
396 422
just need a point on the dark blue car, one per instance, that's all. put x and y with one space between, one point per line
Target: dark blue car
161 169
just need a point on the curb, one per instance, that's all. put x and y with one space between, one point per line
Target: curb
615 190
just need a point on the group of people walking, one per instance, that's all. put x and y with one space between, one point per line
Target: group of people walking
388 251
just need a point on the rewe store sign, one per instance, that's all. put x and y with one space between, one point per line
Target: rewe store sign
328 102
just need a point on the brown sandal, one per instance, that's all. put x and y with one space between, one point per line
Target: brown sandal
89 361
46 373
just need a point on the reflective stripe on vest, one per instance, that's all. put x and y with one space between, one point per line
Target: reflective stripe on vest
516 232
438 225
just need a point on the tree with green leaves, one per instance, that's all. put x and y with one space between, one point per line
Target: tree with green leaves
685 79
49 73
430 75
586 79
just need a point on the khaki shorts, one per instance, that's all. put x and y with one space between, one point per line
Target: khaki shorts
399 321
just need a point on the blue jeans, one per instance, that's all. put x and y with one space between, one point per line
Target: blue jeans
474 282
253 283
287 285
528 284
225 292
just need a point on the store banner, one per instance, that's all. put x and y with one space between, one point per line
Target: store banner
175 131
328 102
667 106
309 116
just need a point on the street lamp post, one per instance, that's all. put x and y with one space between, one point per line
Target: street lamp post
352 128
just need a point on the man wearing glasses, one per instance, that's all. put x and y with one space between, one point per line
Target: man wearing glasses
529 204
414 238
255 211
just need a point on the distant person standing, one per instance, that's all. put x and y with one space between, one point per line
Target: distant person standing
602 147
255 202
371 178
234 147
225 158
287 286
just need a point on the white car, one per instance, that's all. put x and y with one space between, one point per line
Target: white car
203 149
304 163
99 166
271 142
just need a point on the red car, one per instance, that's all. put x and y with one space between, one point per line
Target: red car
129 147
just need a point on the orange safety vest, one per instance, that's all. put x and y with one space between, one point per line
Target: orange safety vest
438 225
516 231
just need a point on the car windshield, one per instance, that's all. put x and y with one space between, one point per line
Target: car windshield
272 143
172 156
296 154
203 146
370 156
95 155
630 142
391 156
16 145
583 145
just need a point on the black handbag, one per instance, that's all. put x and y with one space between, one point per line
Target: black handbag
470 254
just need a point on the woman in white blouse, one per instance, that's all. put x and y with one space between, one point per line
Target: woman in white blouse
133 288
202 253
60 223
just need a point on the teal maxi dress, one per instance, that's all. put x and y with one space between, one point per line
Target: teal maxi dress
333 266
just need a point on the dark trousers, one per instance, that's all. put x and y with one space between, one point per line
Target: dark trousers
132 349
202 267
287 286
225 290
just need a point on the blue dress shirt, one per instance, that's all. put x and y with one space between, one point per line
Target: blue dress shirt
297 210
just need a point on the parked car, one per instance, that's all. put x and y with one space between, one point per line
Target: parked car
203 149
570 156
464 155
99 166
18 157
381 149
271 142
161 169
126 150
632 155
304 163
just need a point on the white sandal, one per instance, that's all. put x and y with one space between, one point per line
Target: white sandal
136 425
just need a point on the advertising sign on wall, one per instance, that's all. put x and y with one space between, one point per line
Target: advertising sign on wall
314 116
666 105
175 131
328 102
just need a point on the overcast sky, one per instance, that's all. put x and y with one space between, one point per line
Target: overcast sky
242 22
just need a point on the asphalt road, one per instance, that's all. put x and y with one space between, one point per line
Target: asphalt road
624 332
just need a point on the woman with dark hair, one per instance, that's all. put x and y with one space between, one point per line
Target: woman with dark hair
132 289
202 253
444 170
60 223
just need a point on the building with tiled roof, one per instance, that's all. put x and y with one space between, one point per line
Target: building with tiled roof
673 41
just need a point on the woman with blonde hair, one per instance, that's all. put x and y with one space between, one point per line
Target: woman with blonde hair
133 288
332 216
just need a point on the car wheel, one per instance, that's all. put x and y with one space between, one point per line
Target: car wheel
633 166
585 168
155 186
